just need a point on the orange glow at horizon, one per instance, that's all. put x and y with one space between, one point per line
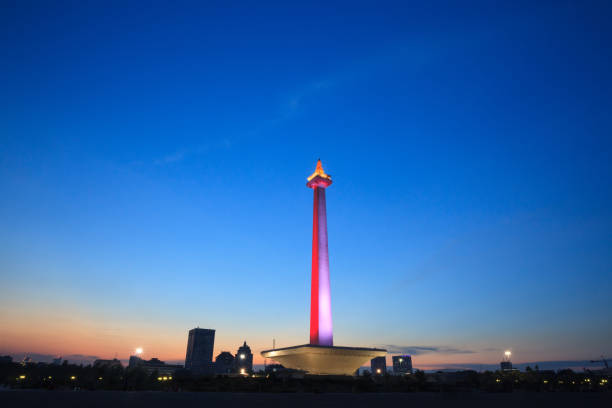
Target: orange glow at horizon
84 338
65 330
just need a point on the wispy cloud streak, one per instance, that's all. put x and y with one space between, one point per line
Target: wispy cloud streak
418 350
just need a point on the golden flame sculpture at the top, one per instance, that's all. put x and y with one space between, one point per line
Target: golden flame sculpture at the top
319 172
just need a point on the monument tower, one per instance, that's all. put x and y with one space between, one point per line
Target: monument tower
321 332
320 356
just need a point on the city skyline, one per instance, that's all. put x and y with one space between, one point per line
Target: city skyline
152 169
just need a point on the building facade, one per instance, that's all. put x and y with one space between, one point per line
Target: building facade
402 364
199 355
244 360
378 365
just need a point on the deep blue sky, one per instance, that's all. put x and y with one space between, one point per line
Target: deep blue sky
153 162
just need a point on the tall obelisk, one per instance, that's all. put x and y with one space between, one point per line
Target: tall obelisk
320 356
321 332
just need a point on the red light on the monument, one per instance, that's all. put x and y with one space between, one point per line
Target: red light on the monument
314 280
320 296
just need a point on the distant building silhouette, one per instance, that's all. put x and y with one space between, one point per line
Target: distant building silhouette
57 361
378 365
105 363
506 364
244 360
274 368
6 359
135 361
200 346
153 365
224 363
402 364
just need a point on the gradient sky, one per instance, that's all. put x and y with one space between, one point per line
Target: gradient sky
153 162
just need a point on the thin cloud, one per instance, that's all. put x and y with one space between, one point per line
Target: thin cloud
171 158
184 154
418 350
291 105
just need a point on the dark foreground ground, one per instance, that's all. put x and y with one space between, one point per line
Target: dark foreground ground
153 399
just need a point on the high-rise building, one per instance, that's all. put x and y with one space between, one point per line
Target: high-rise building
224 363
200 346
378 365
402 364
244 360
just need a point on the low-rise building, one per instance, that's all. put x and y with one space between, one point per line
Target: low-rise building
402 364
153 365
100 363
378 365
224 363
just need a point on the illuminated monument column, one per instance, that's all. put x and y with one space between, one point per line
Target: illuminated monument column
321 332
320 357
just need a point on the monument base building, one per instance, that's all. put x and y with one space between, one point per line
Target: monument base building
323 360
